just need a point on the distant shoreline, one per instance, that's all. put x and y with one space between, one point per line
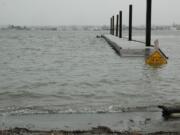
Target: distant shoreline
85 27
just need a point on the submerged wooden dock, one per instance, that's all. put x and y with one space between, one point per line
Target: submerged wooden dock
152 53
125 48
116 29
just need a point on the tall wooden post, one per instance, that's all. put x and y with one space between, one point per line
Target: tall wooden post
117 25
112 25
148 23
130 22
120 24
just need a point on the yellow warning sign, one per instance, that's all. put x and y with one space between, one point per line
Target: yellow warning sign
156 58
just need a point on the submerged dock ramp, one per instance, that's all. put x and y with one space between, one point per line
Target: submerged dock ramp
127 48
153 55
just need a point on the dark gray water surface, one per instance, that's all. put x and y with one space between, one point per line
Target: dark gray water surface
74 72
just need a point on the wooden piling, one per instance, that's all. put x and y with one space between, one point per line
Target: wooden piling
130 22
148 23
117 25
120 24
112 25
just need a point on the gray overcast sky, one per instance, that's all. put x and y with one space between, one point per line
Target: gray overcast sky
84 12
